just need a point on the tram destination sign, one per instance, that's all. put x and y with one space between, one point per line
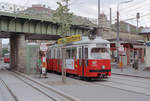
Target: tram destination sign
72 38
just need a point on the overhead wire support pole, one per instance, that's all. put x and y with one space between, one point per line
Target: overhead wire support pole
118 28
137 18
110 16
99 10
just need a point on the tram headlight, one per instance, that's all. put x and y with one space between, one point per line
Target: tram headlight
103 67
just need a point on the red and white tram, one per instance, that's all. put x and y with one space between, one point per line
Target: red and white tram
85 58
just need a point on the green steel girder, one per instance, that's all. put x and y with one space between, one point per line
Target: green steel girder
19 23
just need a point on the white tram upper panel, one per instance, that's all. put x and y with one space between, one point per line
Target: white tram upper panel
86 40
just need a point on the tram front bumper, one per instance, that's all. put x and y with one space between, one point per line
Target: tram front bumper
100 73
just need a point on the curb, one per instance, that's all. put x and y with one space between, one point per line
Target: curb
132 75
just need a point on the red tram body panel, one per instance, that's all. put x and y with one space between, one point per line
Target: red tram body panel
6 58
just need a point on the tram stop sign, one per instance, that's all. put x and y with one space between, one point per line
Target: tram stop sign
43 47
121 48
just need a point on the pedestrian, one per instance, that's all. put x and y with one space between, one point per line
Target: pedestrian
44 65
136 63
39 65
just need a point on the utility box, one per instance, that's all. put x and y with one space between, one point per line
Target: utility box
32 55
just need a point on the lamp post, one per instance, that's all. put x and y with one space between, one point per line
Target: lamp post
118 29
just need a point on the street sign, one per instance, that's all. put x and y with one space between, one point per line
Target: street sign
121 48
43 47
147 44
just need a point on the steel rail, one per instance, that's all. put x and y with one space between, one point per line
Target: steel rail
9 90
52 98
69 98
101 83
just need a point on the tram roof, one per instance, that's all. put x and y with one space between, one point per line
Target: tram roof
86 40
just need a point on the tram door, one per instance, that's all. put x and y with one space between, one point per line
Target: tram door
83 60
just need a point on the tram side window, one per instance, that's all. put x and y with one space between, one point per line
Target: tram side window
50 53
56 53
68 53
80 53
86 53
80 56
74 53
71 53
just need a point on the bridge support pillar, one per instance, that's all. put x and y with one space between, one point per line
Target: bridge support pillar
21 53
13 53
18 53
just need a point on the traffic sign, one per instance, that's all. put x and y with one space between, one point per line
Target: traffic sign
43 47
121 48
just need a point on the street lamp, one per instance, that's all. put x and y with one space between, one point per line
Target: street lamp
117 46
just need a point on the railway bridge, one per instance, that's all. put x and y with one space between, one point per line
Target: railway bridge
19 27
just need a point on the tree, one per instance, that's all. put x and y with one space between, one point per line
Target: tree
64 18
4 51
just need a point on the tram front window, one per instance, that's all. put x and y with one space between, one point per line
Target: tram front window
100 53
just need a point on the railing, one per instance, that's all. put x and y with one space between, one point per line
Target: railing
23 11
11 8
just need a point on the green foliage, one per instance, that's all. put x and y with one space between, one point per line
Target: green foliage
63 17
4 51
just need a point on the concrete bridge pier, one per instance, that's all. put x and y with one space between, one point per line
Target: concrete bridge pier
13 53
18 53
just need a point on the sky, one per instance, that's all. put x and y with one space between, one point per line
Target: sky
88 8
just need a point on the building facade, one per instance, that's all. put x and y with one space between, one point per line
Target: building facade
146 34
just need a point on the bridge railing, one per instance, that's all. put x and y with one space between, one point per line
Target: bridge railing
22 10
11 8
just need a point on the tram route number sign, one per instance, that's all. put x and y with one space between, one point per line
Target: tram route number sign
121 48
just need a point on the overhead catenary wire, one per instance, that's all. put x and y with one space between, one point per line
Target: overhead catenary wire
132 5
137 9
135 17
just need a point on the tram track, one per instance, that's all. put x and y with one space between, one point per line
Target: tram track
126 86
47 91
12 96
121 85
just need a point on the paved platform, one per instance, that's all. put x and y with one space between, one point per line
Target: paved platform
131 71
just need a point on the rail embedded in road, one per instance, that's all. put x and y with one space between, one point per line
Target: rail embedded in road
6 93
51 92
